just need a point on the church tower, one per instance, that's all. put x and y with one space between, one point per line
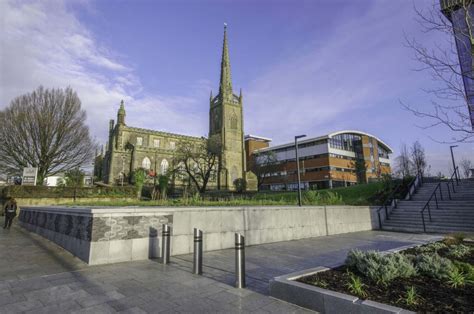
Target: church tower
226 126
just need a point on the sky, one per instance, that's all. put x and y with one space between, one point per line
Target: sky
304 67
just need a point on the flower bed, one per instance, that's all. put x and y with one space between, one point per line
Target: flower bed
437 277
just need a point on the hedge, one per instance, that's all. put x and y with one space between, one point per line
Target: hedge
25 191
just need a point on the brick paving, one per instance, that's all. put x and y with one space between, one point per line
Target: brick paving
37 276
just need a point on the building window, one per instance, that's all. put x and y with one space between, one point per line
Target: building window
146 163
156 143
172 145
164 166
139 141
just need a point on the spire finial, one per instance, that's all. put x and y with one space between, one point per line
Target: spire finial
225 86
121 113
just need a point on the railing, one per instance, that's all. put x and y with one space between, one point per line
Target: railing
413 186
427 205
434 194
393 202
451 180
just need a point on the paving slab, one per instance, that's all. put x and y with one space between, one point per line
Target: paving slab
40 277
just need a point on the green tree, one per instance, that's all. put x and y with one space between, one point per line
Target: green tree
163 182
139 176
240 185
75 177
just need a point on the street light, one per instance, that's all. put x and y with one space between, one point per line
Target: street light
298 167
454 164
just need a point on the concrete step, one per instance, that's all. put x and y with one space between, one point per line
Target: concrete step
440 213
434 221
419 229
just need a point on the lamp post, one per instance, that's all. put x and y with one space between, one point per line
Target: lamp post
298 167
454 164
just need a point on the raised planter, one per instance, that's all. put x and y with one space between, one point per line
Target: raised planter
323 300
287 288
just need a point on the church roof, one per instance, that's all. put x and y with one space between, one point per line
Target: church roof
164 134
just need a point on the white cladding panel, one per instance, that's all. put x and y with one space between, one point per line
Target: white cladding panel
341 152
385 160
302 152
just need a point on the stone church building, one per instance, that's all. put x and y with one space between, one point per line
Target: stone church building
130 148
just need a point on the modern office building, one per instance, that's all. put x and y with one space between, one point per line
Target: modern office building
337 159
461 14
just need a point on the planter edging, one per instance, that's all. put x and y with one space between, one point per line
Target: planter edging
322 300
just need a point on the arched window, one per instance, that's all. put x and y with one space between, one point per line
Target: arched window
164 166
146 163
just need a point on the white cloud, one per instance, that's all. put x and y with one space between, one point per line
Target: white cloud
43 43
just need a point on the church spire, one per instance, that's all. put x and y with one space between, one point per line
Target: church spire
225 86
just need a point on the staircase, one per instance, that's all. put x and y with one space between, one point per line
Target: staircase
453 215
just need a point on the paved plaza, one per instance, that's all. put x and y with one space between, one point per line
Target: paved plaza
37 276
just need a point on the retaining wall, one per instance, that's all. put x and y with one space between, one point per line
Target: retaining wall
107 235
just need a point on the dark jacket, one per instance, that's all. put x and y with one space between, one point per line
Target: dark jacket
10 209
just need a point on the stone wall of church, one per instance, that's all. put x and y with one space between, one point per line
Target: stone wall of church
134 148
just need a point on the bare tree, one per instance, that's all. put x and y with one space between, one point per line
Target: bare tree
450 104
403 164
360 168
466 166
262 164
44 129
418 158
199 162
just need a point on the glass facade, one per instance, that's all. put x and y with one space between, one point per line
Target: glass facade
346 141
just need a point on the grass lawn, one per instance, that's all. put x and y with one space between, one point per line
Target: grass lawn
354 195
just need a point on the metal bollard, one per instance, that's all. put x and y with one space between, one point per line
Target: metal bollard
239 261
165 244
197 257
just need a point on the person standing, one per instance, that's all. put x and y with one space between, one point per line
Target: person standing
10 209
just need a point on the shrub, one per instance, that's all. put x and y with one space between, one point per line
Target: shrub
380 268
322 198
27 191
433 265
459 237
240 185
455 238
433 247
356 286
467 269
459 251
456 279
412 297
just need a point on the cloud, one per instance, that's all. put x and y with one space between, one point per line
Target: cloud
44 43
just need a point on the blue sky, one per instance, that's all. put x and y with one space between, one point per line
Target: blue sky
307 67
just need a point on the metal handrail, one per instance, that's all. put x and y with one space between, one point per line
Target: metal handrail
391 198
450 180
427 205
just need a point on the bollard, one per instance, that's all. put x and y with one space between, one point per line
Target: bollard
197 258
239 261
165 244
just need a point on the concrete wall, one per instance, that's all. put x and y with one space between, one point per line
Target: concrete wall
265 224
107 235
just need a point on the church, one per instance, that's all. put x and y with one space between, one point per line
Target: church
129 148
